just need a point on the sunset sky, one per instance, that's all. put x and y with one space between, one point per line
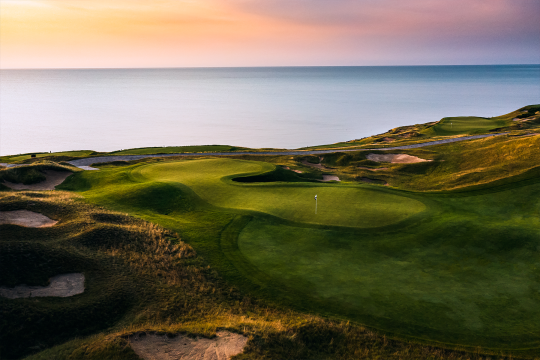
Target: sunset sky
185 33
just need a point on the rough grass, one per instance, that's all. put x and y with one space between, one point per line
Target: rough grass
447 127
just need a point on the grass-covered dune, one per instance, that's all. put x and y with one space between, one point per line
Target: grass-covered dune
455 268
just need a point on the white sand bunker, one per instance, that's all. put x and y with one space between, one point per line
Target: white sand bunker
330 178
87 168
161 347
25 218
395 158
53 179
60 286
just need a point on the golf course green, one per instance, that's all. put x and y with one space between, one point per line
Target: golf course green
351 206
459 268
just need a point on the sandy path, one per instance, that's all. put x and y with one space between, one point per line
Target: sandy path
60 286
102 159
161 347
395 158
25 218
53 179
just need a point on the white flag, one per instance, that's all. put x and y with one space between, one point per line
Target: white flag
315 197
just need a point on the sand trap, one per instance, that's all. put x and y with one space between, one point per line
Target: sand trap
60 286
25 218
53 179
161 347
296 171
329 178
87 168
395 158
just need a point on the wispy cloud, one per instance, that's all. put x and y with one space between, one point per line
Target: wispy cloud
267 32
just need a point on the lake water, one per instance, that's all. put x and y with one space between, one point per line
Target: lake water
104 110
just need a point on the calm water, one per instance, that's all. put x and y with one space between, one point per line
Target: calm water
56 110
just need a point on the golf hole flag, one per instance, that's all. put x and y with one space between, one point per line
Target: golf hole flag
315 197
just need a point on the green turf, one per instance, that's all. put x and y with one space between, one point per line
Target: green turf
465 125
458 269
14 159
177 149
337 205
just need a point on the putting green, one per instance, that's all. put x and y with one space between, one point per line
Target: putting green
464 125
352 206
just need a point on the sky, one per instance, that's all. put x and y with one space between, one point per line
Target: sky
222 33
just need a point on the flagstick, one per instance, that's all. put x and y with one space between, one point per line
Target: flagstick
316 204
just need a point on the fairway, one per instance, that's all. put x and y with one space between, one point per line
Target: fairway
353 206
462 277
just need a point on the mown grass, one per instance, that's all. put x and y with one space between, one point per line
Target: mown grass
341 206
446 275
178 149
57 156
140 277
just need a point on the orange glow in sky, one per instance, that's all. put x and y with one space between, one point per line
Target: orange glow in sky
178 33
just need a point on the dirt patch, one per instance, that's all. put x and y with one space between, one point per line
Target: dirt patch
25 218
372 169
162 347
53 179
60 286
395 158
329 178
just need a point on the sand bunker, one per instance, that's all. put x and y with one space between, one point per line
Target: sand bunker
395 158
161 347
87 168
53 179
25 218
296 171
330 178
60 286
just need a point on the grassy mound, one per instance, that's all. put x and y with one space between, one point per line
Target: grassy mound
32 174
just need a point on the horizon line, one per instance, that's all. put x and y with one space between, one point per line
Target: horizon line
261 67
